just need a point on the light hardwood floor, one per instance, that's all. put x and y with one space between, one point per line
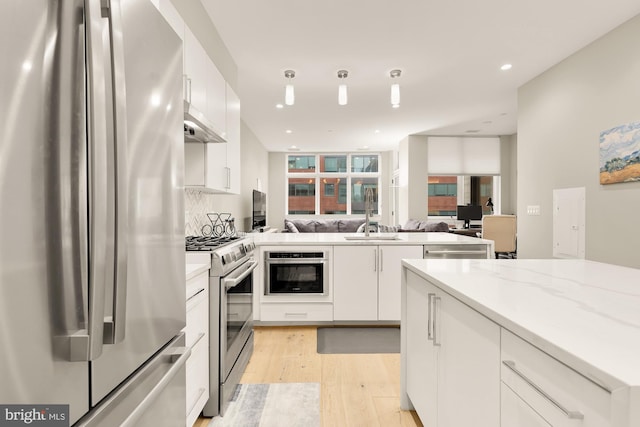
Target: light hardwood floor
356 389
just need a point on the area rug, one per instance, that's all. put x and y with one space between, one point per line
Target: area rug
272 405
358 340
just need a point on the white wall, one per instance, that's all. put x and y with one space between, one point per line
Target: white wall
560 116
508 173
277 188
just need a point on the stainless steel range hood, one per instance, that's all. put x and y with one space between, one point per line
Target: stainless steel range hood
197 128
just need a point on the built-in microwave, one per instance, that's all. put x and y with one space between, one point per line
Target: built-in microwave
296 273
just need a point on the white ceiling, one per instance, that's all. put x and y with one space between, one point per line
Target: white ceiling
449 51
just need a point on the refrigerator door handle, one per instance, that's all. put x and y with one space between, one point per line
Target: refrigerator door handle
87 344
114 327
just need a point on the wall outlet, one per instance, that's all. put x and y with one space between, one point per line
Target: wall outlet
533 210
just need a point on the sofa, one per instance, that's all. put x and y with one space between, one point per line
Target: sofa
323 225
356 225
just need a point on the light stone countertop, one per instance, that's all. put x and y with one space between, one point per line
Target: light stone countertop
339 239
585 314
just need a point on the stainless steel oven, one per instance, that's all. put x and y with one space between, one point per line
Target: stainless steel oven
230 315
296 272
236 328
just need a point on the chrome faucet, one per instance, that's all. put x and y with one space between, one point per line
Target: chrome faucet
368 201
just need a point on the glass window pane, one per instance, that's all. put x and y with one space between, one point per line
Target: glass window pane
443 195
342 193
443 190
330 200
302 196
333 164
359 187
368 163
303 164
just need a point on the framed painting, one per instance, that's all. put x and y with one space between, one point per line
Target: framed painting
620 154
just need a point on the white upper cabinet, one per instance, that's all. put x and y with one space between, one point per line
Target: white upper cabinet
216 110
196 65
210 166
216 167
233 140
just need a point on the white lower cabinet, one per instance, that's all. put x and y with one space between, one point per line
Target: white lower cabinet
452 359
367 281
516 412
197 335
557 395
296 312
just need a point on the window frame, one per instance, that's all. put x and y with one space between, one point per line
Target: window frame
318 176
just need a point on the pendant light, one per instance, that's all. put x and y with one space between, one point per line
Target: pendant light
395 89
342 88
289 96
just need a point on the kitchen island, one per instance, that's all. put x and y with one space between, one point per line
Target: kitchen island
521 342
343 278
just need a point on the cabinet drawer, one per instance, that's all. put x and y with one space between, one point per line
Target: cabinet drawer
296 312
197 380
560 395
197 317
197 283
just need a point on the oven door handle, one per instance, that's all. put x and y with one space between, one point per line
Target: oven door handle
242 272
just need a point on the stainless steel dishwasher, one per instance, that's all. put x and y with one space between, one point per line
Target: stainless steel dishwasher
457 251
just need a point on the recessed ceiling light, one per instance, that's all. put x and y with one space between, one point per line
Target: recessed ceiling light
288 131
506 67
377 131
279 106
294 148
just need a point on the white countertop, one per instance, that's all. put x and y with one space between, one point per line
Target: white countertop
583 313
339 238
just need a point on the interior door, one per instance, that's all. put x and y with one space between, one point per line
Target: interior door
154 310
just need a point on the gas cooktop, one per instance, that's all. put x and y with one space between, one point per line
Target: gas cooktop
208 243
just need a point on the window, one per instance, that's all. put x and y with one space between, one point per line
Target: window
341 189
333 163
446 192
364 163
302 164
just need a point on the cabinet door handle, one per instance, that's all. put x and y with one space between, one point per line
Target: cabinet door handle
375 260
381 255
429 317
575 415
436 303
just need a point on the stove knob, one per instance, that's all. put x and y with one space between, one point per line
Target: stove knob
226 259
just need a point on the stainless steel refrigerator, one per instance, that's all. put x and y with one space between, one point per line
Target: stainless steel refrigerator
92 212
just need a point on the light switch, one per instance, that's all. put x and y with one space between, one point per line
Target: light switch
533 210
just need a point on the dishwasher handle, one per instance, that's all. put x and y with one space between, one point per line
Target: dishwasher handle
456 253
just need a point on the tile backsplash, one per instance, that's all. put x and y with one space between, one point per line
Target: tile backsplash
196 206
